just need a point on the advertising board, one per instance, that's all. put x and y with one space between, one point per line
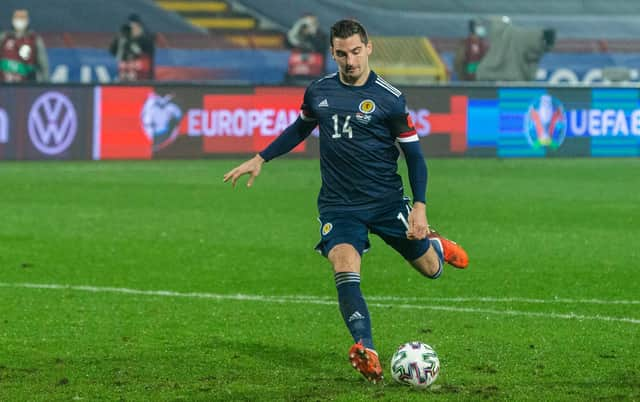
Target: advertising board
45 122
205 121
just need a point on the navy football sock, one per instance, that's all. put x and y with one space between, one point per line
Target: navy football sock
353 307
438 272
438 247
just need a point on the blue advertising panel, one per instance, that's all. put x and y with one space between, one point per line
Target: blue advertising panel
534 121
251 67
81 65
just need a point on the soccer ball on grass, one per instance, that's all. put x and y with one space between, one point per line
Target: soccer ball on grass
415 364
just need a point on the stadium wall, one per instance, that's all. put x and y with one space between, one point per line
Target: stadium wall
204 121
269 67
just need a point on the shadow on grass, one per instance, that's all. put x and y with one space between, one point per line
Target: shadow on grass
285 372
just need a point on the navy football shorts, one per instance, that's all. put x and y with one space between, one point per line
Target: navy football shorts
353 227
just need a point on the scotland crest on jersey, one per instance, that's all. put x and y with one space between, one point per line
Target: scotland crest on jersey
160 120
545 123
366 108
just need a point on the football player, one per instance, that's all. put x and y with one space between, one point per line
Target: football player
361 119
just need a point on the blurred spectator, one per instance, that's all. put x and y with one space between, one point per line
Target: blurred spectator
309 46
23 56
305 35
515 52
134 48
471 50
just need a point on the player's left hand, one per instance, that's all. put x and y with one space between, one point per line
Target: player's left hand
418 225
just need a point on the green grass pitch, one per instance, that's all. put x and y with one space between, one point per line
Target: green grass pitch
155 281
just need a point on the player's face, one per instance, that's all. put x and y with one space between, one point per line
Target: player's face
352 56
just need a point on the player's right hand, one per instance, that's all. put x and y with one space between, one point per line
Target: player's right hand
418 225
251 167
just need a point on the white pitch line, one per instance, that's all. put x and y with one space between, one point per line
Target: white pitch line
554 300
312 300
567 316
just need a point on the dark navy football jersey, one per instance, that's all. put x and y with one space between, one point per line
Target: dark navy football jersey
359 127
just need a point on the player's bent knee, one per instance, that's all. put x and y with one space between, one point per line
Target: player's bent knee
344 258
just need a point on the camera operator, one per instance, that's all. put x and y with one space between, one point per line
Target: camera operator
134 49
515 52
309 46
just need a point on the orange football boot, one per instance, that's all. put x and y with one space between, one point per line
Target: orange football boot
366 362
453 253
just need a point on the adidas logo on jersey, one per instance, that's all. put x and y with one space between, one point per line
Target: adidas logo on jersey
356 316
324 103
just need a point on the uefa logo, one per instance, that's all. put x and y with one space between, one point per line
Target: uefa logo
545 123
160 118
52 123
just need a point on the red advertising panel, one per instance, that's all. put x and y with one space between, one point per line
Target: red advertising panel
246 123
453 123
121 132
190 121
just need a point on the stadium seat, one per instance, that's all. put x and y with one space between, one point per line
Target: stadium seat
407 60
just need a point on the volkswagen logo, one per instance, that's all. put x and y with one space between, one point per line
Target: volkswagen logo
53 123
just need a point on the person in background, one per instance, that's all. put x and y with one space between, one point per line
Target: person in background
515 52
305 35
134 48
471 50
23 55
309 46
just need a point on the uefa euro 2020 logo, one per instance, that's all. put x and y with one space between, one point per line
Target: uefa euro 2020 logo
545 123
160 119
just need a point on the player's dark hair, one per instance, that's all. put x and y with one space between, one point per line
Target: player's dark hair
346 28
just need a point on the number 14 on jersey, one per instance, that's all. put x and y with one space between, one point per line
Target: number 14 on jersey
346 127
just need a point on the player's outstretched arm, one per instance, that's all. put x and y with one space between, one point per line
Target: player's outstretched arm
251 167
290 137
